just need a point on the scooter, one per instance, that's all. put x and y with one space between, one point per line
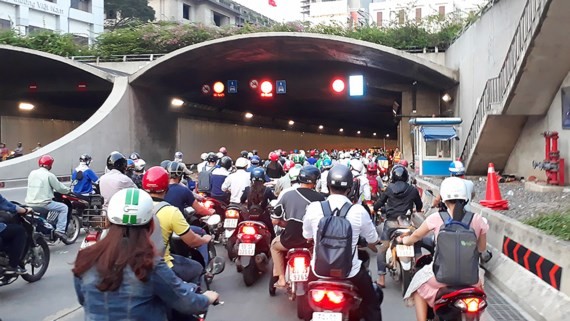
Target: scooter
399 257
297 276
73 221
232 217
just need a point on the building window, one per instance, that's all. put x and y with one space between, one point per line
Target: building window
418 15
220 20
5 24
83 5
379 19
401 17
442 11
185 11
81 40
34 29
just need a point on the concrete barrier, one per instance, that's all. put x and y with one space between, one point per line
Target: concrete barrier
532 268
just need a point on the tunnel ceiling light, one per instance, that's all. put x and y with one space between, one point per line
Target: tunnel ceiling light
387 135
374 134
446 97
321 126
26 106
248 115
341 130
338 85
358 132
291 122
177 102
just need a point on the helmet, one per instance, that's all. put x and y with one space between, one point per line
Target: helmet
46 161
283 153
254 152
299 159
294 172
130 164
273 157
117 161
226 162
204 156
288 165
356 165
372 167
134 156
175 169
140 165
309 174
155 180
258 174
340 176
223 150
178 155
244 153
241 162
85 159
312 152
212 158
399 174
255 160
219 155
456 168
404 163
164 164
453 188
327 163
250 155
131 207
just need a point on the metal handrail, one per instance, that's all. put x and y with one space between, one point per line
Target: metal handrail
117 58
497 89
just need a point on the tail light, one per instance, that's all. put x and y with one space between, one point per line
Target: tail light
92 237
248 234
328 299
232 214
470 304
209 204
299 263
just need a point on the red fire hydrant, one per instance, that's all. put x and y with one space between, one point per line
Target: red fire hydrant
552 164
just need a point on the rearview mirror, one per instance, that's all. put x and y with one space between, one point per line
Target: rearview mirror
217 265
214 219
429 192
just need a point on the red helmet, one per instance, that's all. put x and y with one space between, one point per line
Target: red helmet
288 165
403 162
312 153
273 157
372 167
46 161
284 153
155 180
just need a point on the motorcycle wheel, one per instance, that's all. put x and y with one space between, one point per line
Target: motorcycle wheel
397 270
72 232
36 273
405 278
212 250
303 309
250 274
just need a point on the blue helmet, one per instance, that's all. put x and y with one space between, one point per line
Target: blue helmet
327 163
258 174
130 164
456 168
255 160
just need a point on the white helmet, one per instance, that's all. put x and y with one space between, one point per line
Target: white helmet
140 165
178 155
204 156
453 188
294 172
241 162
456 168
220 155
130 206
356 165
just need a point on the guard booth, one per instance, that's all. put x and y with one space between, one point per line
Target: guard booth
434 144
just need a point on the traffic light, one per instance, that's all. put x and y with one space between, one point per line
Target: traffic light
266 89
338 85
356 85
219 89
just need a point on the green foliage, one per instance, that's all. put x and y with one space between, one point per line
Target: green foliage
128 11
557 224
46 41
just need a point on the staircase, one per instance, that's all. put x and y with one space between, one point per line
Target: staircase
536 64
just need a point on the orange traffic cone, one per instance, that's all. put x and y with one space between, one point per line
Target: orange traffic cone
493 198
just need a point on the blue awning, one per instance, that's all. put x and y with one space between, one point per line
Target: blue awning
435 133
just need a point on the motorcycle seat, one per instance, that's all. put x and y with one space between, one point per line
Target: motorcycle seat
342 284
41 210
465 290
300 251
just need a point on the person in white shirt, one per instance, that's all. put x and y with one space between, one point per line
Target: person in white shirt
203 163
322 186
364 194
115 179
236 182
340 180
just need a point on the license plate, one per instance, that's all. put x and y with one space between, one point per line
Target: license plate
327 316
405 250
246 249
230 223
299 277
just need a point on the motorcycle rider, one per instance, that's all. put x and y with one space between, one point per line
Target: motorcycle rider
274 168
41 185
224 151
171 220
322 185
138 172
254 161
398 198
312 160
236 182
203 157
115 179
13 237
258 194
456 169
288 213
285 181
424 287
84 176
339 183
357 169
374 180
120 277
178 158
219 176
179 195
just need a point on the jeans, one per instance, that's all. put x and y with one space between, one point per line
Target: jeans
187 269
203 249
13 243
385 243
62 212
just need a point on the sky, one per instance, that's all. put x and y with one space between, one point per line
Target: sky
286 10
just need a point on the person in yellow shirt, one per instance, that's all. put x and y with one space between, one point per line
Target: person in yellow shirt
155 182
397 156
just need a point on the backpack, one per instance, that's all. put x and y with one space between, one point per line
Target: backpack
156 236
354 193
373 184
333 246
456 257
205 179
256 209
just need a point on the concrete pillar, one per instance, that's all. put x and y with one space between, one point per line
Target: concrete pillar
427 104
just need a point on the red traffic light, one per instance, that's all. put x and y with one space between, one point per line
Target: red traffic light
266 89
338 85
219 89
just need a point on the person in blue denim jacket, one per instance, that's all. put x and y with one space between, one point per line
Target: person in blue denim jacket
122 277
12 237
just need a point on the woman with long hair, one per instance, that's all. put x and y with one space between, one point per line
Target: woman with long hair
257 196
122 277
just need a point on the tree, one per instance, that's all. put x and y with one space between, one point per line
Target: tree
123 12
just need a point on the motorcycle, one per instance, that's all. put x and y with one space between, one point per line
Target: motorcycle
399 257
174 315
219 209
73 225
36 250
231 220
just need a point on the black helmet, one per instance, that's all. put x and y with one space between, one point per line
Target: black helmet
340 177
135 156
212 158
117 161
175 169
226 162
165 163
85 159
244 153
258 174
309 175
254 152
399 174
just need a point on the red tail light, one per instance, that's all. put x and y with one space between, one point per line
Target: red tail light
92 237
328 299
209 204
248 234
299 264
471 304
232 214
248 230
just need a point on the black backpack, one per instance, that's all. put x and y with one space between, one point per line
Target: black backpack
256 209
354 193
333 246
456 256
205 179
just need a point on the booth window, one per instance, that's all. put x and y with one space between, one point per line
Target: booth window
439 149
